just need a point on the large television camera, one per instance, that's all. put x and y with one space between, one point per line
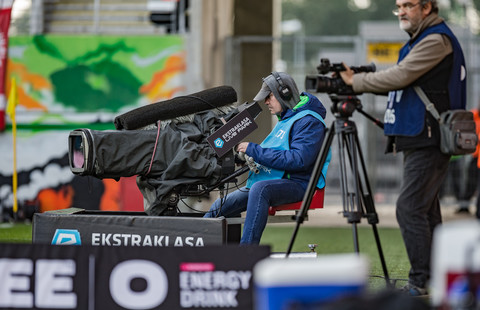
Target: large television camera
176 148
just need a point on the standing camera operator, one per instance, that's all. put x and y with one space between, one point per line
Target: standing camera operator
285 159
433 60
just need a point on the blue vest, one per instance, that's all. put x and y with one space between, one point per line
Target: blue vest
405 113
279 139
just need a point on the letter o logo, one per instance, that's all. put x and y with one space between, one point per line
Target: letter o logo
123 274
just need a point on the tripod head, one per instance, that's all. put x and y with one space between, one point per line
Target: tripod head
344 105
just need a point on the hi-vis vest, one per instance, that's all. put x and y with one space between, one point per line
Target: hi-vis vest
279 139
405 113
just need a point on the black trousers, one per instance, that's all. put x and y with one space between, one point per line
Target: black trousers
418 207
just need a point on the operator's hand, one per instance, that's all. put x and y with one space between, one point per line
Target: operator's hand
347 75
242 147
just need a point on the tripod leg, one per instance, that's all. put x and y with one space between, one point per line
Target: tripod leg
356 245
312 184
363 198
380 255
350 199
369 210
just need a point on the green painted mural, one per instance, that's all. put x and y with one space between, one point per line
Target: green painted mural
69 82
94 73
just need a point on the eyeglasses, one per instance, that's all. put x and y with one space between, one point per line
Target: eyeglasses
406 7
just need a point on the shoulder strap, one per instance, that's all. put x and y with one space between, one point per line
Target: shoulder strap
430 107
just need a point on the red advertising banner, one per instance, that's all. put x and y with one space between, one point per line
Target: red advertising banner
5 13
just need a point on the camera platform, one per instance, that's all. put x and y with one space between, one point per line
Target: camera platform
76 226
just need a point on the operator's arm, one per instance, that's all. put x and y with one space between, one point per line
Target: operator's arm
425 55
304 147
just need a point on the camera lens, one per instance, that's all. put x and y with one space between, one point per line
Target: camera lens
311 83
78 153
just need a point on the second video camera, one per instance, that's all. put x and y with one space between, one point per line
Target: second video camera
321 83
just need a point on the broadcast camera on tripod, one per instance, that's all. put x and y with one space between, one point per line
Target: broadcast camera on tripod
357 196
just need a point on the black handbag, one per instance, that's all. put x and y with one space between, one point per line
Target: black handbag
458 134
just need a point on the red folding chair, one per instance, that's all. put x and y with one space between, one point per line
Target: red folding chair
317 203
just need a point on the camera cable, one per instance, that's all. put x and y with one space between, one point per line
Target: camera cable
154 148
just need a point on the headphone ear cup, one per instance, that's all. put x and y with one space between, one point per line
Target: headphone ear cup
285 92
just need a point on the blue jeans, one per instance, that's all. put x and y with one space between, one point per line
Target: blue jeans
256 201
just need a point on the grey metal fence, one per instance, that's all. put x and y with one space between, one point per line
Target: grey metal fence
300 55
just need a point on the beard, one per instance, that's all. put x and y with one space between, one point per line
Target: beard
408 24
405 25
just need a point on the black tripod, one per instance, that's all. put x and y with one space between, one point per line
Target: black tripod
356 196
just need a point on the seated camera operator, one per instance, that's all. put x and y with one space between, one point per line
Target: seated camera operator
285 159
433 60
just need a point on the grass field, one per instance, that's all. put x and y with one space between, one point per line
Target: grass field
15 233
328 241
340 240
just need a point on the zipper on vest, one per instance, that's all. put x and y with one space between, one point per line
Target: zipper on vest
429 131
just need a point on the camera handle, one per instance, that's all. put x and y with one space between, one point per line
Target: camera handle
375 121
343 107
357 203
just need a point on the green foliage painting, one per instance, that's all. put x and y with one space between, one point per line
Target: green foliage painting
92 74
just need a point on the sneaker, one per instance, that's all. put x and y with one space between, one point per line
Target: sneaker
413 290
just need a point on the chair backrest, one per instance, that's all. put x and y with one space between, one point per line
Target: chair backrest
317 203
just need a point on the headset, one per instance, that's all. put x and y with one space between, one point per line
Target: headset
283 89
